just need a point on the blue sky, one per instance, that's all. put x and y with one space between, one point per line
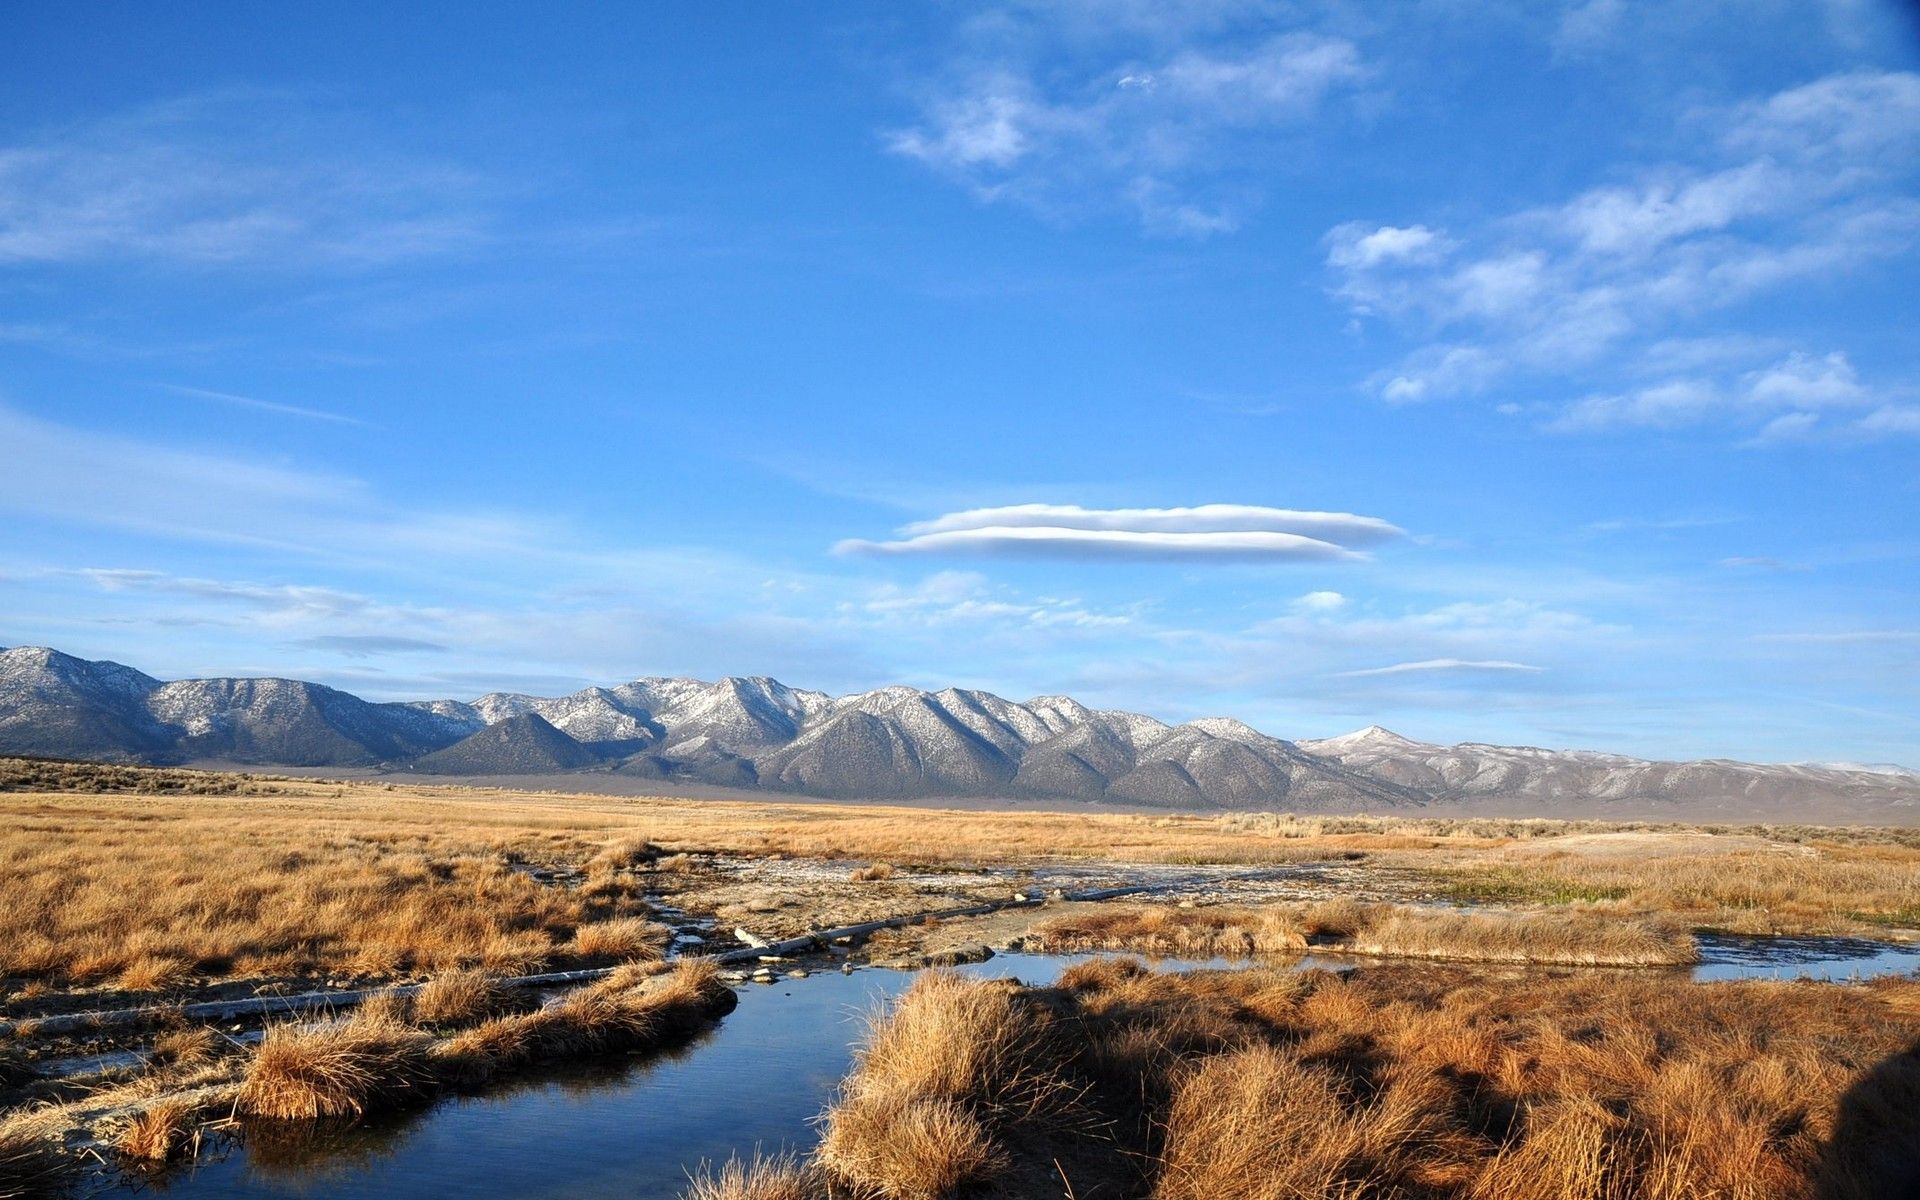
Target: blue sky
1511 372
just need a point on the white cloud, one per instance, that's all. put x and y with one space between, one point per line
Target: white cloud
1321 602
1760 562
1356 246
1160 136
1892 419
1632 222
1587 25
1787 427
225 180
1847 636
1440 371
370 645
282 600
1033 541
993 125
1802 381
273 406
1806 184
1344 528
1846 115
966 597
1216 531
1806 386
1430 665
1666 405
1163 212
1677 355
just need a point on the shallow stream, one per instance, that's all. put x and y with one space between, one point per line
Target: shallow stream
634 1127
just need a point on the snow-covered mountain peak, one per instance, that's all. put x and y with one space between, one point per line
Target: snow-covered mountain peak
1229 728
1373 739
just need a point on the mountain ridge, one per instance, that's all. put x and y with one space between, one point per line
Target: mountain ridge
895 742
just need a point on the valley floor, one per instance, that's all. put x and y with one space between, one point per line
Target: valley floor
129 888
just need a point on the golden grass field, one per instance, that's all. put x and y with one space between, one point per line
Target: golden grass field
148 889
126 884
1567 937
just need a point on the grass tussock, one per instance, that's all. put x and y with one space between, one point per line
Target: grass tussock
154 973
166 1130
458 998
194 1046
779 1177
871 873
1402 1081
380 1060
337 1069
621 938
955 1062
1560 937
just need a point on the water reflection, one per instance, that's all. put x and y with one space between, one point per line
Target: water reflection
632 1127
1836 959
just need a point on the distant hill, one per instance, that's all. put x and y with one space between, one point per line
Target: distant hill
893 743
524 745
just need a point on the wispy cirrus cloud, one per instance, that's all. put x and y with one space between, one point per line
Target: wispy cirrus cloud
1848 637
272 406
1810 182
370 645
1799 397
1209 531
210 181
1066 121
1441 665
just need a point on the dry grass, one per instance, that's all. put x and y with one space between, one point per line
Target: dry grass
458 998
872 873
1818 887
621 938
1578 937
1258 1122
377 880
779 1177
955 1061
154 973
335 1069
165 1130
146 893
639 1007
908 1147
1405 1081
191 1047
63 775
378 1061
1523 829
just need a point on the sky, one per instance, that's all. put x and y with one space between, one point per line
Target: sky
1514 372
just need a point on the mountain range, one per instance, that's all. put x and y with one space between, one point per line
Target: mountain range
894 743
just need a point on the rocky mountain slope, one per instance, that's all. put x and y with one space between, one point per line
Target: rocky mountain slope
520 745
895 742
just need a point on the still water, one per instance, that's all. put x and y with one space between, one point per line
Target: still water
633 1128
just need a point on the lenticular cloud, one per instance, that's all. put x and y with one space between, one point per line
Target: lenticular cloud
1229 531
